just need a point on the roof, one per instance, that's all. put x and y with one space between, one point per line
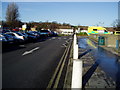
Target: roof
64 27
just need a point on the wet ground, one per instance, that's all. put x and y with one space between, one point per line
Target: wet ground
105 63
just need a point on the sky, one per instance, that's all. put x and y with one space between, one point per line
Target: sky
74 13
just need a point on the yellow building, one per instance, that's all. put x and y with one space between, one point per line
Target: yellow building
33 29
97 30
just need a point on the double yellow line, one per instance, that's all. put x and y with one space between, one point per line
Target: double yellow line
57 74
91 43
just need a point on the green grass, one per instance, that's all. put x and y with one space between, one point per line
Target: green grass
82 34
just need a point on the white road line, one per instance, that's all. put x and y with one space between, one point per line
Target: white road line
28 52
22 45
64 45
66 41
53 37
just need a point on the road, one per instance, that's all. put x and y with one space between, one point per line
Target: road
32 65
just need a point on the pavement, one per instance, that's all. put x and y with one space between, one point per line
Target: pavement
32 65
93 76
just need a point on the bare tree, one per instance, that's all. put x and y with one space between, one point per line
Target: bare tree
116 25
12 15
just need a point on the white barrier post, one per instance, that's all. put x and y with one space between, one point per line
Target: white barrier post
75 47
77 74
75 39
77 67
75 51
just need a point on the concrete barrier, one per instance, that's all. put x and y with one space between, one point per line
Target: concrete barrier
77 74
77 67
75 51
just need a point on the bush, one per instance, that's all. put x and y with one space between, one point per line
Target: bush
82 34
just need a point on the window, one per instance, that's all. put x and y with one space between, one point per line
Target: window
106 31
117 32
94 29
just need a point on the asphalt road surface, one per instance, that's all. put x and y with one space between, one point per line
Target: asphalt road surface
32 65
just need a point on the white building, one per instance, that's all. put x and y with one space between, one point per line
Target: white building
66 31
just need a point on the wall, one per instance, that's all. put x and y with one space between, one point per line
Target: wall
110 40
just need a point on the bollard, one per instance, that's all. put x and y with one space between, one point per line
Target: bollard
75 39
77 74
75 48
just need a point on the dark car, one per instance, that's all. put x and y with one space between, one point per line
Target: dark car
31 36
3 40
17 38
5 30
9 38
34 33
24 36
54 33
46 32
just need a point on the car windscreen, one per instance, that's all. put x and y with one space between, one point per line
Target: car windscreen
19 34
44 31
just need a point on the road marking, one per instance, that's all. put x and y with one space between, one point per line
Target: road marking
61 69
91 43
64 45
21 45
28 52
53 37
66 41
56 70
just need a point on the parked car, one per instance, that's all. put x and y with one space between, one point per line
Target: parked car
17 38
34 33
46 32
9 38
3 40
54 33
4 31
31 36
24 36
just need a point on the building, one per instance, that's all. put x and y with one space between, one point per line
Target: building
66 31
